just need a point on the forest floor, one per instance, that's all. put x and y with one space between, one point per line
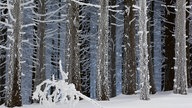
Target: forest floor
159 100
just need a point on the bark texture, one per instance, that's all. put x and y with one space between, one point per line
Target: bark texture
14 87
129 52
73 62
112 49
180 81
143 51
102 59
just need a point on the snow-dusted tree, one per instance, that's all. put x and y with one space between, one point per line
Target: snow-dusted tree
180 81
72 59
13 97
102 59
112 48
3 41
39 43
143 51
168 46
129 54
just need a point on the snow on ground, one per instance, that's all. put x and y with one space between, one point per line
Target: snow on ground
159 100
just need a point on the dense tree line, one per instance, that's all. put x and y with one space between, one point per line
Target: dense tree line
150 38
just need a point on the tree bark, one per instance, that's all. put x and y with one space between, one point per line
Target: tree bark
143 51
102 59
180 81
73 62
14 93
151 47
129 52
112 49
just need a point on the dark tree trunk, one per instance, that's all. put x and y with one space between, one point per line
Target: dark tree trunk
129 56
73 62
84 39
3 41
151 47
112 49
189 46
169 46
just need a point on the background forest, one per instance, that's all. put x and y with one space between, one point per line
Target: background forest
107 47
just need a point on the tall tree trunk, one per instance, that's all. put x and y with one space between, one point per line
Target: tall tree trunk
102 60
14 93
189 46
73 62
169 46
151 47
85 47
180 81
112 49
129 52
3 41
38 68
143 51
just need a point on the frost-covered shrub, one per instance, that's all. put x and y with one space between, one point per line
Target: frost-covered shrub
63 92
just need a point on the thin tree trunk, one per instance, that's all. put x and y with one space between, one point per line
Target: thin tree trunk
102 60
151 47
129 52
85 48
112 51
38 56
3 41
34 56
180 81
14 93
189 46
169 47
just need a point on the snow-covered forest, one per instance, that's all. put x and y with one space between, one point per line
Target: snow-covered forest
101 52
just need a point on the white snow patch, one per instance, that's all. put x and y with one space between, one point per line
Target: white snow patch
159 100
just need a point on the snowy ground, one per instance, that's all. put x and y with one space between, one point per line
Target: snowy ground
160 100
